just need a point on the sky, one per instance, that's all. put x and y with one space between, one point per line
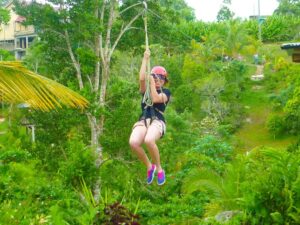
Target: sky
207 10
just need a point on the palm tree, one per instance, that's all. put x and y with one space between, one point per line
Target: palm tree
19 85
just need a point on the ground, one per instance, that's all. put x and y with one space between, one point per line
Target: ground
254 132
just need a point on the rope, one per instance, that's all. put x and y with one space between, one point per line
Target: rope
147 96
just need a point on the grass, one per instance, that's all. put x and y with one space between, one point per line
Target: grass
254 132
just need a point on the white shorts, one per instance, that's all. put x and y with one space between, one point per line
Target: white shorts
159 124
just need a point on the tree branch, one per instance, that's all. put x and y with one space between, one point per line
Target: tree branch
129 7
123 31
109 28
75 62
101 35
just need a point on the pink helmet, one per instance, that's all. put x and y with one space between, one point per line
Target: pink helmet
159 70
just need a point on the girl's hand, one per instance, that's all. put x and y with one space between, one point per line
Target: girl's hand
147 54
152 81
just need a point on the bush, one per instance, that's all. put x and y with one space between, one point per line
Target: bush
270 191
275 125
214 148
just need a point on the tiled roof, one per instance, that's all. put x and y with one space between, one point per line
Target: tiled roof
20 19
290 45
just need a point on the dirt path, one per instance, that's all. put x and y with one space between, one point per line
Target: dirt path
259 70
254 131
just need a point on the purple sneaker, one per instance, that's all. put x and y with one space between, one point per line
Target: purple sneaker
161 178
150 174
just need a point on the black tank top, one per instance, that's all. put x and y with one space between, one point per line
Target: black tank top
158 108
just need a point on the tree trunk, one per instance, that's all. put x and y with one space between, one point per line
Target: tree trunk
96 131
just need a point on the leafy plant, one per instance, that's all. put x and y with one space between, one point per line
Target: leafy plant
118 214
214 148
275 125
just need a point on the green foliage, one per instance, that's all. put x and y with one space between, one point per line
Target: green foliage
185 98
36 57
262 184
11 149
177 210
77 163
42 182
269 191
4 16
280 28
123 111
223 191
174 65
31 195
6 55
26 191
193 68
292 112
224 14
285 82
209 126
288 7
214 148
275 125
275 28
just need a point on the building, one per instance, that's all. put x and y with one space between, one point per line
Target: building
293 49
14 36
257 17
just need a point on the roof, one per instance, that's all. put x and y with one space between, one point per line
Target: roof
290 45
20 19
8 4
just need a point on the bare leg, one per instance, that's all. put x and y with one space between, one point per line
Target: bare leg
153 134
136 140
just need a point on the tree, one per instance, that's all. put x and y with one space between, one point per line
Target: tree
180 8
84 34
4 14
288 7
6 55
225 13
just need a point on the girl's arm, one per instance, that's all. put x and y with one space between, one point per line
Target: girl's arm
156 98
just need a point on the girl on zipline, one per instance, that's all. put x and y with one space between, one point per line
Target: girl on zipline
151 125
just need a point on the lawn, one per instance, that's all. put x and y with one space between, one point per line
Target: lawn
254 132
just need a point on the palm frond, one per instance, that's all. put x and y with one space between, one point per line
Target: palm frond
20 85
202 179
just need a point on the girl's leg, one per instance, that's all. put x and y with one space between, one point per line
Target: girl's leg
136 140
153 134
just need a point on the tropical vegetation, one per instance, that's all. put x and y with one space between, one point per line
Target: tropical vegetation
231 151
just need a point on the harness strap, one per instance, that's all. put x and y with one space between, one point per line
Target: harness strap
152 114
162 113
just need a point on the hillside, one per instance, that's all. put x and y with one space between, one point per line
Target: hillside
254 132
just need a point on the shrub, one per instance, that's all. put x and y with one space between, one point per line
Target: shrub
214 148
275 125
